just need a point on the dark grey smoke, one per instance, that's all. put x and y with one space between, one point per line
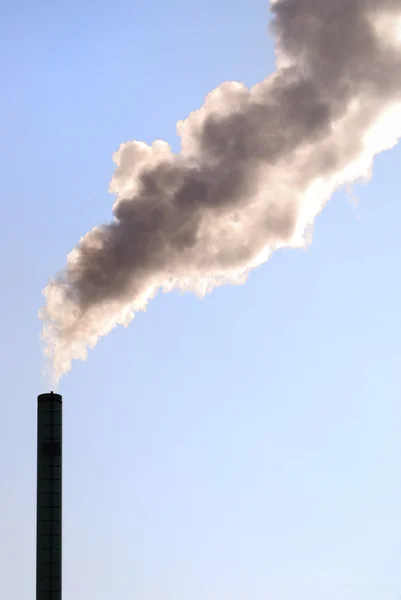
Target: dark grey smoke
255 168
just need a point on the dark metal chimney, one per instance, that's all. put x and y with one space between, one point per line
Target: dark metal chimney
49 497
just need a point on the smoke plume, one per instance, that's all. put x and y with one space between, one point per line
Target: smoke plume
255 168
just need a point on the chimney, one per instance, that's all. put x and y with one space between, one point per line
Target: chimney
49 497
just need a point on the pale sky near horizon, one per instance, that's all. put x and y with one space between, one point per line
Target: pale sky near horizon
246 446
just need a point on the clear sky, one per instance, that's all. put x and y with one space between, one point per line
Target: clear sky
243 446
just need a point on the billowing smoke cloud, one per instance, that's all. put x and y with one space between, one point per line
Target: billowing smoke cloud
256 166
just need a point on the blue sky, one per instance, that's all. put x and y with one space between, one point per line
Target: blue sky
243 446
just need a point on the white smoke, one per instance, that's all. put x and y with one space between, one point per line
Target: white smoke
256 167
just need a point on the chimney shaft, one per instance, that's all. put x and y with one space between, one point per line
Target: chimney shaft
49 498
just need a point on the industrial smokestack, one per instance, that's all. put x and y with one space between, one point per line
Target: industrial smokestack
256 167
49 498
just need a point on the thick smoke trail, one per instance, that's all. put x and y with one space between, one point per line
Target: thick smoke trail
255 168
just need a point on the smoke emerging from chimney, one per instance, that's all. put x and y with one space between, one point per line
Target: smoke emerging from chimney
255 168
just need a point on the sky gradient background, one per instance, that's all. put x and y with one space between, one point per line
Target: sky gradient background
243 446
